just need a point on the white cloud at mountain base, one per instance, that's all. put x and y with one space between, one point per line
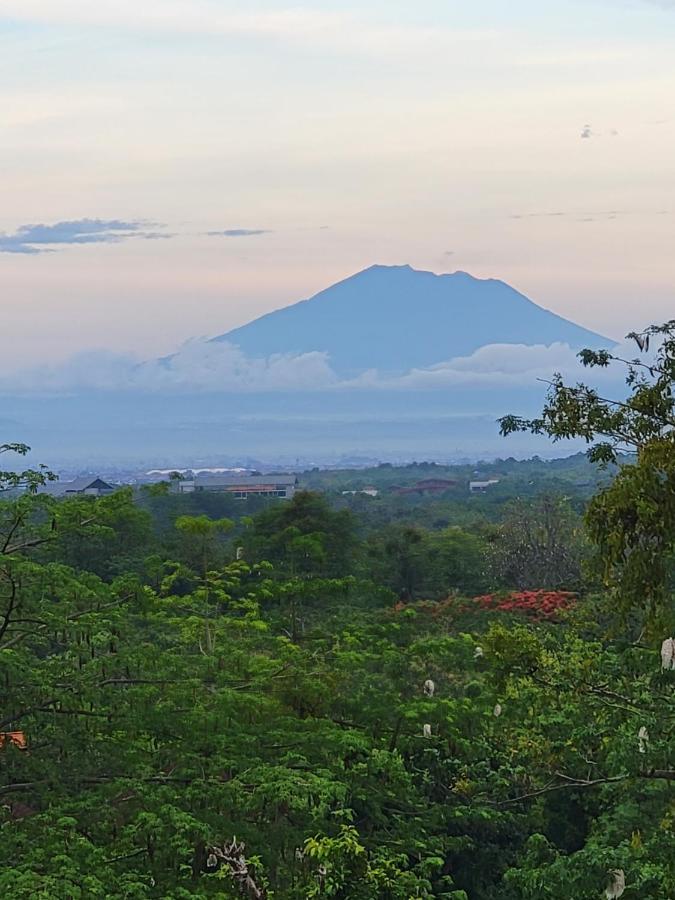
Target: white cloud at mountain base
493 364
206 366
197 366
505 366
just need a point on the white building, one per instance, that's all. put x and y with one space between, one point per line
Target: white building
241 487
368 491
480 487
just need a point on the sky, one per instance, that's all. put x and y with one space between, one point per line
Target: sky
173 168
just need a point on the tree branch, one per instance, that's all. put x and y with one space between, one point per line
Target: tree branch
572 783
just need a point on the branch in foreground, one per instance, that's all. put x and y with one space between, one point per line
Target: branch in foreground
568 782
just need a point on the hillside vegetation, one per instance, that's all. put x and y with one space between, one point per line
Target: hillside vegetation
399 696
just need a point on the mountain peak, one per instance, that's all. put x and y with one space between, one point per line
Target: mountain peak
407 268
396 318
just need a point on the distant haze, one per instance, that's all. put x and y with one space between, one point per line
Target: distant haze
385 328
389 363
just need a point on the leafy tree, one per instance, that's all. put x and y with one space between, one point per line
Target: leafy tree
539 544
632 522
399 559
595 763
202 544
303 535
108 535
414 562
458 561
190 725
28 479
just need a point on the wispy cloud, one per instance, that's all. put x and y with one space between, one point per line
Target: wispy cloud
199 365
538 215
238 232
582 215
498 365
587 133
41 238
203 365
188 16
298 25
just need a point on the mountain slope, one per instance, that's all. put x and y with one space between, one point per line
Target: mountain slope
394 318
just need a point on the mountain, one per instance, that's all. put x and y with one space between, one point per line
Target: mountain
212 404
395 318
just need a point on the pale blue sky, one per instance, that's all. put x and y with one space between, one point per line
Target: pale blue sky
443 134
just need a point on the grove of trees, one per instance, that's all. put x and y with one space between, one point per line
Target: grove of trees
298 703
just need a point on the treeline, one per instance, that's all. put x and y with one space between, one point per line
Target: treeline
536 543
162 697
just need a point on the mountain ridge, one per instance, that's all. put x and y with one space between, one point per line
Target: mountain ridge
210 401
396 318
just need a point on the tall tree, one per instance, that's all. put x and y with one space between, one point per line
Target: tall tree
632 522
539 544
304 535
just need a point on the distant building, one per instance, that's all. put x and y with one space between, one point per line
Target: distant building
87 485
369 491
241 487
480 487
428 486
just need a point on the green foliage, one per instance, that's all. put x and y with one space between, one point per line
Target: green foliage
632 521
29 479
162 696
633 525
413 562
342 867
108 536
539 545
303 536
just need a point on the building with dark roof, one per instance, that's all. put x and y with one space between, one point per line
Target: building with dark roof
241 487
86 485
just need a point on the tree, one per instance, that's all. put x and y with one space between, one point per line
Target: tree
458 561
202 540
414 562
590 730
632 522
207 727
28 479
160 725
397 554
106 535
538 544
303 535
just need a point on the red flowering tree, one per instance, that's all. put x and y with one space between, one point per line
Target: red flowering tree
540 605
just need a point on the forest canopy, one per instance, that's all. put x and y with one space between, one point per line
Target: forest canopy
344 698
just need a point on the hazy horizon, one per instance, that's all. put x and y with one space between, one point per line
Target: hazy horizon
356 371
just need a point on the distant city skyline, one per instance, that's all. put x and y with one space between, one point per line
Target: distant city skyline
173 169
